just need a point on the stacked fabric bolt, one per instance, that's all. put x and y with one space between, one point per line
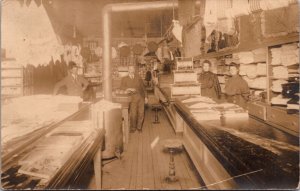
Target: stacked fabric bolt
280 72
244 57
258 83
279 100
276 85
290 54
293 105
229 60
259 55
261 69
276 56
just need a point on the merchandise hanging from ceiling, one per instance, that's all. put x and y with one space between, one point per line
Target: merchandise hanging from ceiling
28 35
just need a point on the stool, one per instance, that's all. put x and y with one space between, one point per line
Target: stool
156 108
172 145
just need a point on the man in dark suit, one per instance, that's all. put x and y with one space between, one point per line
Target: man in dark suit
134 85
74 83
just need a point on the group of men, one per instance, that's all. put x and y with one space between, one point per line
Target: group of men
77 85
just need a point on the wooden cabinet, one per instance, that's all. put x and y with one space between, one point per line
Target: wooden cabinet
258 110
279 117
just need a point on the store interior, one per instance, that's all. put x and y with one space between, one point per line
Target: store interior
218 97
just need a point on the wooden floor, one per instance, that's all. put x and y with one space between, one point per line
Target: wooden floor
144 165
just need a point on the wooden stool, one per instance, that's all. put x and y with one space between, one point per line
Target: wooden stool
156 108
172 145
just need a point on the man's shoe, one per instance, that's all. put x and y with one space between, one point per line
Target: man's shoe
139 130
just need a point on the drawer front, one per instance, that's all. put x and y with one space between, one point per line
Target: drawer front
12 73
11 90
280 117
258 111
11 81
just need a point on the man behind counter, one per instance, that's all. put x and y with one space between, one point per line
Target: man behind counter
74 83
134 85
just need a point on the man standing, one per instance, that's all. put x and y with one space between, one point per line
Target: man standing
134 85
74 83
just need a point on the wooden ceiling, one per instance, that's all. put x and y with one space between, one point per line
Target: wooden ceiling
85 15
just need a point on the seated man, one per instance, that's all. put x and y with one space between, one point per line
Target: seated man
74 83
134 85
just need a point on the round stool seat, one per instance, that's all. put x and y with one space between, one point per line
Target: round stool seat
173 144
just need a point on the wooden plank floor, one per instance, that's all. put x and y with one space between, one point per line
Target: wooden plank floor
144 165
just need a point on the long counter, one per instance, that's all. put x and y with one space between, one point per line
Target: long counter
238 153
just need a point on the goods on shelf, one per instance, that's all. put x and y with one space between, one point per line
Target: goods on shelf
284 72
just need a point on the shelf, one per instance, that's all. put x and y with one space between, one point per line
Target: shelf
258 88
12 68
5 77
274 78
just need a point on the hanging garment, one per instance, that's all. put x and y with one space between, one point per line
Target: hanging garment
276 56
240 8
210 17
177 30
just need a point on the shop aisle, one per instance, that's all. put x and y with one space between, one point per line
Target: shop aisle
145 165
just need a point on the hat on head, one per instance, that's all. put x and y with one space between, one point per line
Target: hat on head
72 65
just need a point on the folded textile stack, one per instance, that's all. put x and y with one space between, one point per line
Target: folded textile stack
280 72
259 55
206 115
202 105
198 99
290 55
276 56
258 83
279 100
293 105
234 58
261 69
244 57
276 85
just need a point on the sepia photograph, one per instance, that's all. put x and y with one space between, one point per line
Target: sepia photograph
150 94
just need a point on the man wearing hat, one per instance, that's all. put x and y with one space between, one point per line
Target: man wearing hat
74 83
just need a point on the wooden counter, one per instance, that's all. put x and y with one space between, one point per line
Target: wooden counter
68 174
242 153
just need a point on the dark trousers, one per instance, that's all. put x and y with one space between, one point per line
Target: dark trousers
136 112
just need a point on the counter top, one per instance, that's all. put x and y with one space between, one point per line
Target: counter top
246 145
